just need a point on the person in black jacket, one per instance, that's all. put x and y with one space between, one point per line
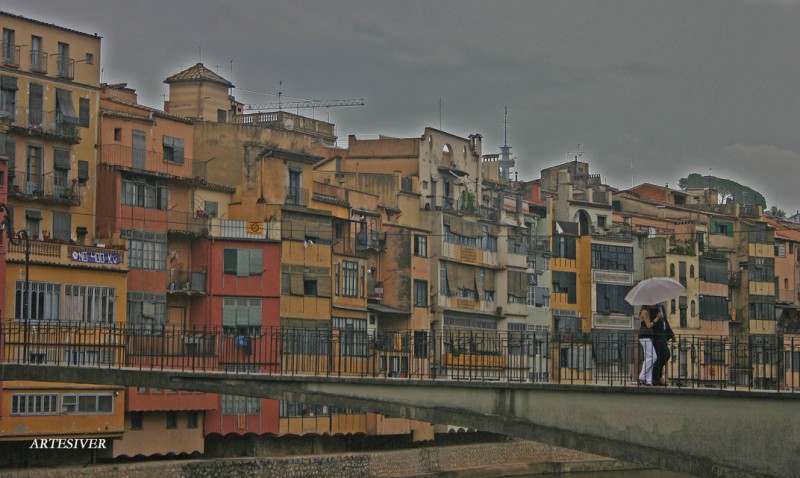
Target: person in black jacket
662 334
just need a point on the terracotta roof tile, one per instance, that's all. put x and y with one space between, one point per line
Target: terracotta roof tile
198 72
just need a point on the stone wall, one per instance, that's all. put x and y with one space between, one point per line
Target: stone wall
494 458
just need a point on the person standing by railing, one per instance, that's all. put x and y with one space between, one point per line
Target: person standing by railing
662 334
647 314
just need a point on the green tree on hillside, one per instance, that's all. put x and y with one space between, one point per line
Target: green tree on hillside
727 188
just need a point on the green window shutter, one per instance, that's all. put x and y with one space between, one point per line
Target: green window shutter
229 261
179 150
254 316
83 171
242 263
256 262
229 316
83 112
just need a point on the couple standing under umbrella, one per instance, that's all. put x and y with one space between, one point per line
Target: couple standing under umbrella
654 332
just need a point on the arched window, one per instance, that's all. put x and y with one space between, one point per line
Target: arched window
694 311
672 270
691 274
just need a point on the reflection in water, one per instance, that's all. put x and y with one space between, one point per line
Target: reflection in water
613 474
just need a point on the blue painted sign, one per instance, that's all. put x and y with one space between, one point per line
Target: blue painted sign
77 255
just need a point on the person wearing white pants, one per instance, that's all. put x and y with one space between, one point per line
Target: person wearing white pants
647 315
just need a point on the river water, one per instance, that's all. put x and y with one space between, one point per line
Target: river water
613 474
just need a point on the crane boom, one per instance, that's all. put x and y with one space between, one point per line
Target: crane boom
304 104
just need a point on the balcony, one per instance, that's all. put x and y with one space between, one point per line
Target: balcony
39 62
289 122
151 162
225 228
10 55
57 253
186 283
47 188
65 67
489 213
351 247
328 193
439 203
50 124
296 196
187 223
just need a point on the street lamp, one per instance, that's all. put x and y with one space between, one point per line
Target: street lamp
16 239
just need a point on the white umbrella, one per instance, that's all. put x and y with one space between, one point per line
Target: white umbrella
653 291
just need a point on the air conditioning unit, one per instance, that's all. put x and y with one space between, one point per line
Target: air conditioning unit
498 311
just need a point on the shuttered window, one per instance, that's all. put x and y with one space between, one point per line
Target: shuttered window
62 225
83 112
242 262
35 104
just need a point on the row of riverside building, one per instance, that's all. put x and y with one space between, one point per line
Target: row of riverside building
201 216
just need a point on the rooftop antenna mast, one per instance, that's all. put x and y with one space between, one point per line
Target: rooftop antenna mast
506 163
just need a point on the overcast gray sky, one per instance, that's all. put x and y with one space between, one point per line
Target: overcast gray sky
673 86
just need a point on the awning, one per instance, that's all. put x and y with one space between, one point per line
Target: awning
64 107
61 159
386 310
33 214
8 83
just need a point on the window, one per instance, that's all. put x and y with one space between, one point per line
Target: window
693 308
762 307
89 357
89 304
147 250
147 311
243 262
101 403
672 270
443 286
84 115
420 344
222 116
44 301
192 419
136 420
352 336
33 223
350 283
172 420
89 59
241 317
117 134
672 307
37 58
63 62
10 50
33 181
310 286
35 104
62 226
236 405
715 271
140 191
564 246
293 190
420 245
420 293
611 298
714 352
780 249
601 221
61 167
762 269
337 277
173 149
565 282
8 96
691 271
615 258
34 404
